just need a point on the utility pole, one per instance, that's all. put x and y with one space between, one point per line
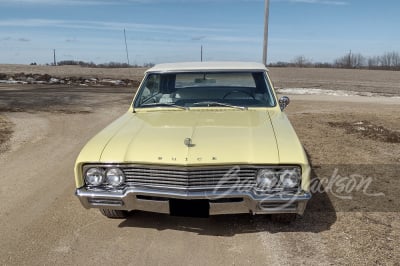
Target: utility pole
350 63
201 53
54 57
126 48
266 21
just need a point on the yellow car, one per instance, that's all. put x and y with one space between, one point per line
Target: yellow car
205 138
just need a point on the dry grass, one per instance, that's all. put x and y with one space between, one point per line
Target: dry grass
75 71
5 132
344 79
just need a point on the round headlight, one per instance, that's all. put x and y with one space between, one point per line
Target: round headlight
290 178
115 177
267 178
94 176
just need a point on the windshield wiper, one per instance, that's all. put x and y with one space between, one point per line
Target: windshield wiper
164 105
148 98
210 103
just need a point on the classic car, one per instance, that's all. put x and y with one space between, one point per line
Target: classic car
209 137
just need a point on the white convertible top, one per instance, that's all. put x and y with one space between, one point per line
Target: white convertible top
207 66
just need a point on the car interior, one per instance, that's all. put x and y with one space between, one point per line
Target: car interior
191 89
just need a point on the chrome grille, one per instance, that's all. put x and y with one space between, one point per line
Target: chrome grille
189 178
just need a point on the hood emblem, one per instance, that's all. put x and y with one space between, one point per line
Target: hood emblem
188 142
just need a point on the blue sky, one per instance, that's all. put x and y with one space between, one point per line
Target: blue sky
173 30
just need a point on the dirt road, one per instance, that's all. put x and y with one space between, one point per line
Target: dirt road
42 222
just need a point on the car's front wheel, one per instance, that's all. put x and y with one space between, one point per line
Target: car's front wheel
114 214
284 217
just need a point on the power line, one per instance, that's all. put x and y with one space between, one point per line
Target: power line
126 48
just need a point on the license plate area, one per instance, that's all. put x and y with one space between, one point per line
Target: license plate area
189 208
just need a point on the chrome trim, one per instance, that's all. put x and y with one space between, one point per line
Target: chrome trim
155 182
127 200
188 178
284 101
188 167
164 177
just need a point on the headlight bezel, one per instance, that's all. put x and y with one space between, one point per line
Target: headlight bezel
117 172
105 182
281 175
90 171
266 178
294 175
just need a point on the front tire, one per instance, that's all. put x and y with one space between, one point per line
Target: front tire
284 218
114 214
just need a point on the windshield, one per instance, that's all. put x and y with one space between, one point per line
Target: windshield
204 89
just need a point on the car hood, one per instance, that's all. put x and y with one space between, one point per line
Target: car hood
217 137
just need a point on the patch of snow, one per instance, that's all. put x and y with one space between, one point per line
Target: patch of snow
361 128
112 82
11 81
54 80
30 80
314 91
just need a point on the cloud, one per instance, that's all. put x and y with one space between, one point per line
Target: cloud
124 2
198 38
113 2
57 2
320 2
102 25
105 2
228 39
234 39
12 39
71 40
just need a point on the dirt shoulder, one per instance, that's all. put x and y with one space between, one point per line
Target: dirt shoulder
62 99
6 129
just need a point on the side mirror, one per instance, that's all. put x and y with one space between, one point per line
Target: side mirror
284 102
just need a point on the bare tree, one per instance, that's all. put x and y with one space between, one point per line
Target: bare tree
301 61
351 60
374 62
386 60
390 60
358 61
344 61
396 60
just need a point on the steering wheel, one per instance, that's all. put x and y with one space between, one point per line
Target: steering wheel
239 91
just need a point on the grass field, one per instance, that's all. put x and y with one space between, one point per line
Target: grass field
387 82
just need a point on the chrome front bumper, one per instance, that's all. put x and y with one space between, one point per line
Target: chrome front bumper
220 202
